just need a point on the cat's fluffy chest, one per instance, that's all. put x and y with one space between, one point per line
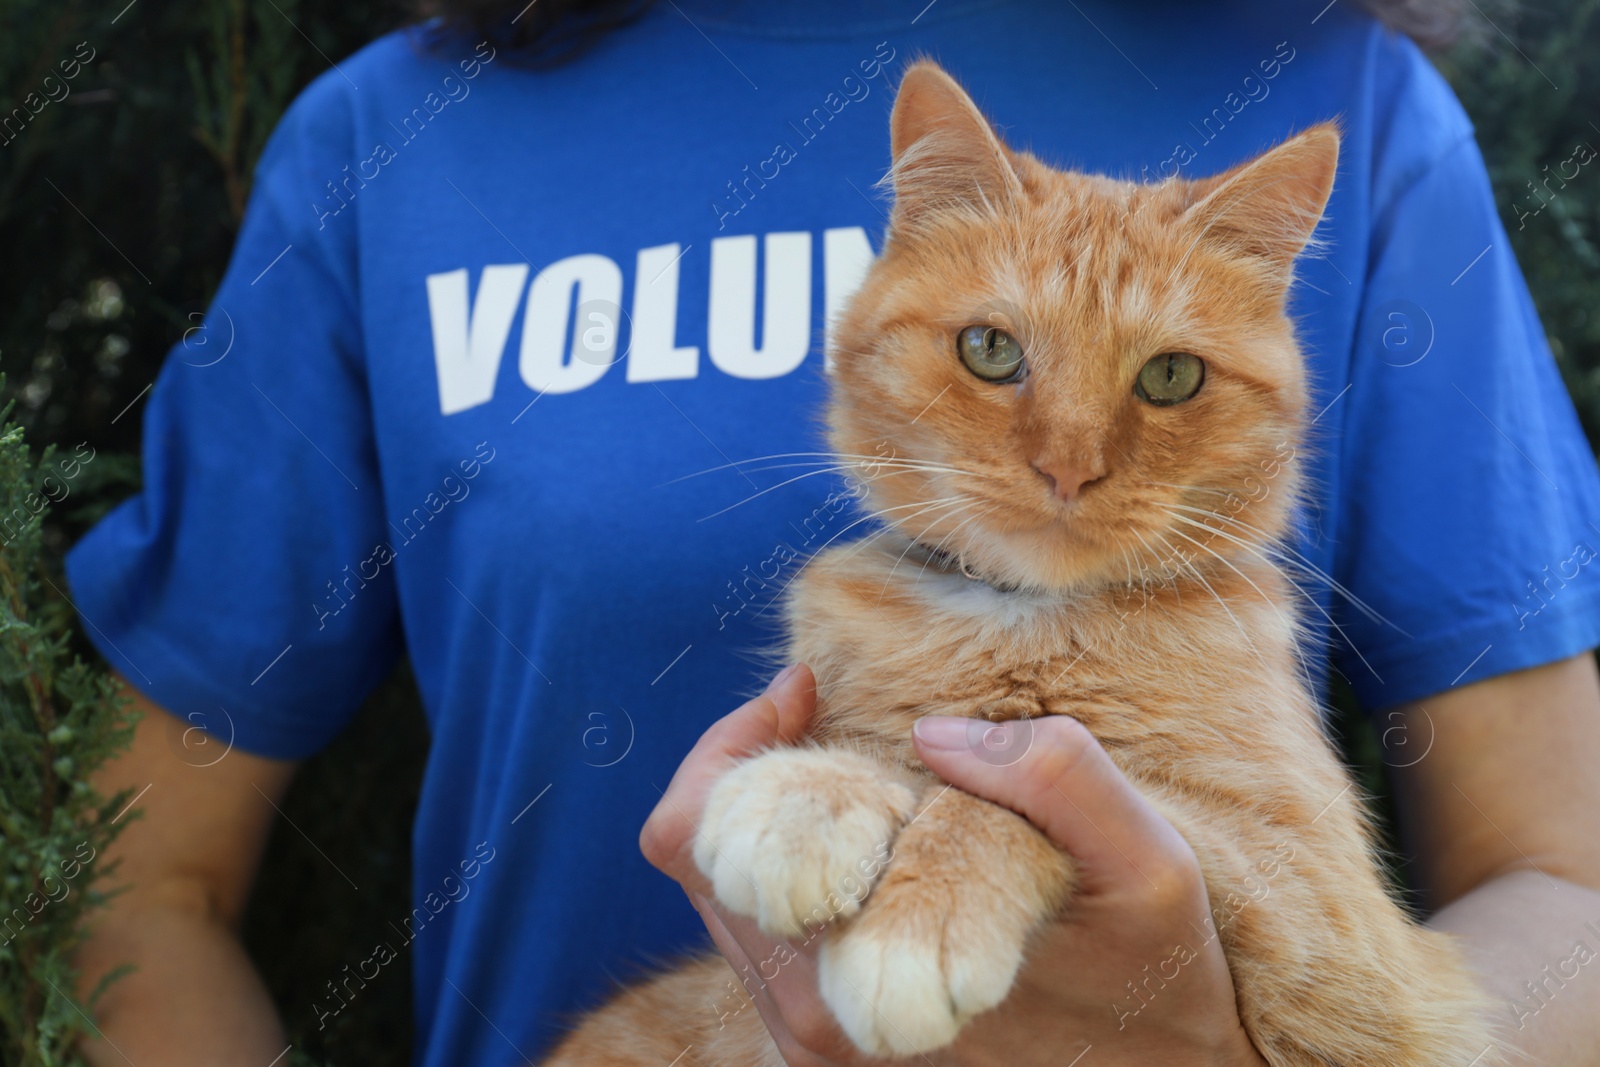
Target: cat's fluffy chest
892 641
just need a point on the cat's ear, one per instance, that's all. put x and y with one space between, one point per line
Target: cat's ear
1269 207
946 156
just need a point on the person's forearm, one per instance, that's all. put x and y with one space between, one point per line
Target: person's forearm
1535 942
195 997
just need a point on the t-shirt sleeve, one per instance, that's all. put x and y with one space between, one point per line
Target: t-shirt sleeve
1469 500
211 590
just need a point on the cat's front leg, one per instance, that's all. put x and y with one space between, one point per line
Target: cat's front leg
943 935
795 837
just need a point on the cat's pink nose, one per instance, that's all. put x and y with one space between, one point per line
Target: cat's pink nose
1067 480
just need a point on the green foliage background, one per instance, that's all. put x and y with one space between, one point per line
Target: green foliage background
155 145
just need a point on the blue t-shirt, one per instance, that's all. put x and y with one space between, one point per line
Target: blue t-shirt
411 427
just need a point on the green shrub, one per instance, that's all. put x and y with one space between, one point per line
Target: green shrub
59 719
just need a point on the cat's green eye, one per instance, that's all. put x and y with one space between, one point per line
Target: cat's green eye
991 353
1170 378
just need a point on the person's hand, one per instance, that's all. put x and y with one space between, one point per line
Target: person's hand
1105 976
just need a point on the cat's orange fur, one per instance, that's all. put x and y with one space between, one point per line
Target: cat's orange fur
1145 607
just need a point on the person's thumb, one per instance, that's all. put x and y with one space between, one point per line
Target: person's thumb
1056 775
778 716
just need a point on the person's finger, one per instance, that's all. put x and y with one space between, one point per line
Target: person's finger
780 977
777 716
1055 774
732 950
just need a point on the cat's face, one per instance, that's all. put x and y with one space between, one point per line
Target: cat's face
1056 376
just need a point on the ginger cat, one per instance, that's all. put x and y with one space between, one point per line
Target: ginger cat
1075 403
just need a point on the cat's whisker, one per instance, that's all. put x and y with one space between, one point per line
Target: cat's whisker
851 468
943 504
817 464
1172 575
1143 579
877 514
820 457
1273 544
956 507
955 503
912 542
1293 623
815 468
1156 558
1196 574
1163 566
1192 488
939 547
898 459
1248 546
954 530
1135 563
1264 555
790 481
778 596
763 492
894 526
743 464
1256 551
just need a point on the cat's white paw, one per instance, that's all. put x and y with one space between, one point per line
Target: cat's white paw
795 837
903 980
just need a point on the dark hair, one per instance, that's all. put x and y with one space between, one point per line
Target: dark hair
547 32
1433 24
538 33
